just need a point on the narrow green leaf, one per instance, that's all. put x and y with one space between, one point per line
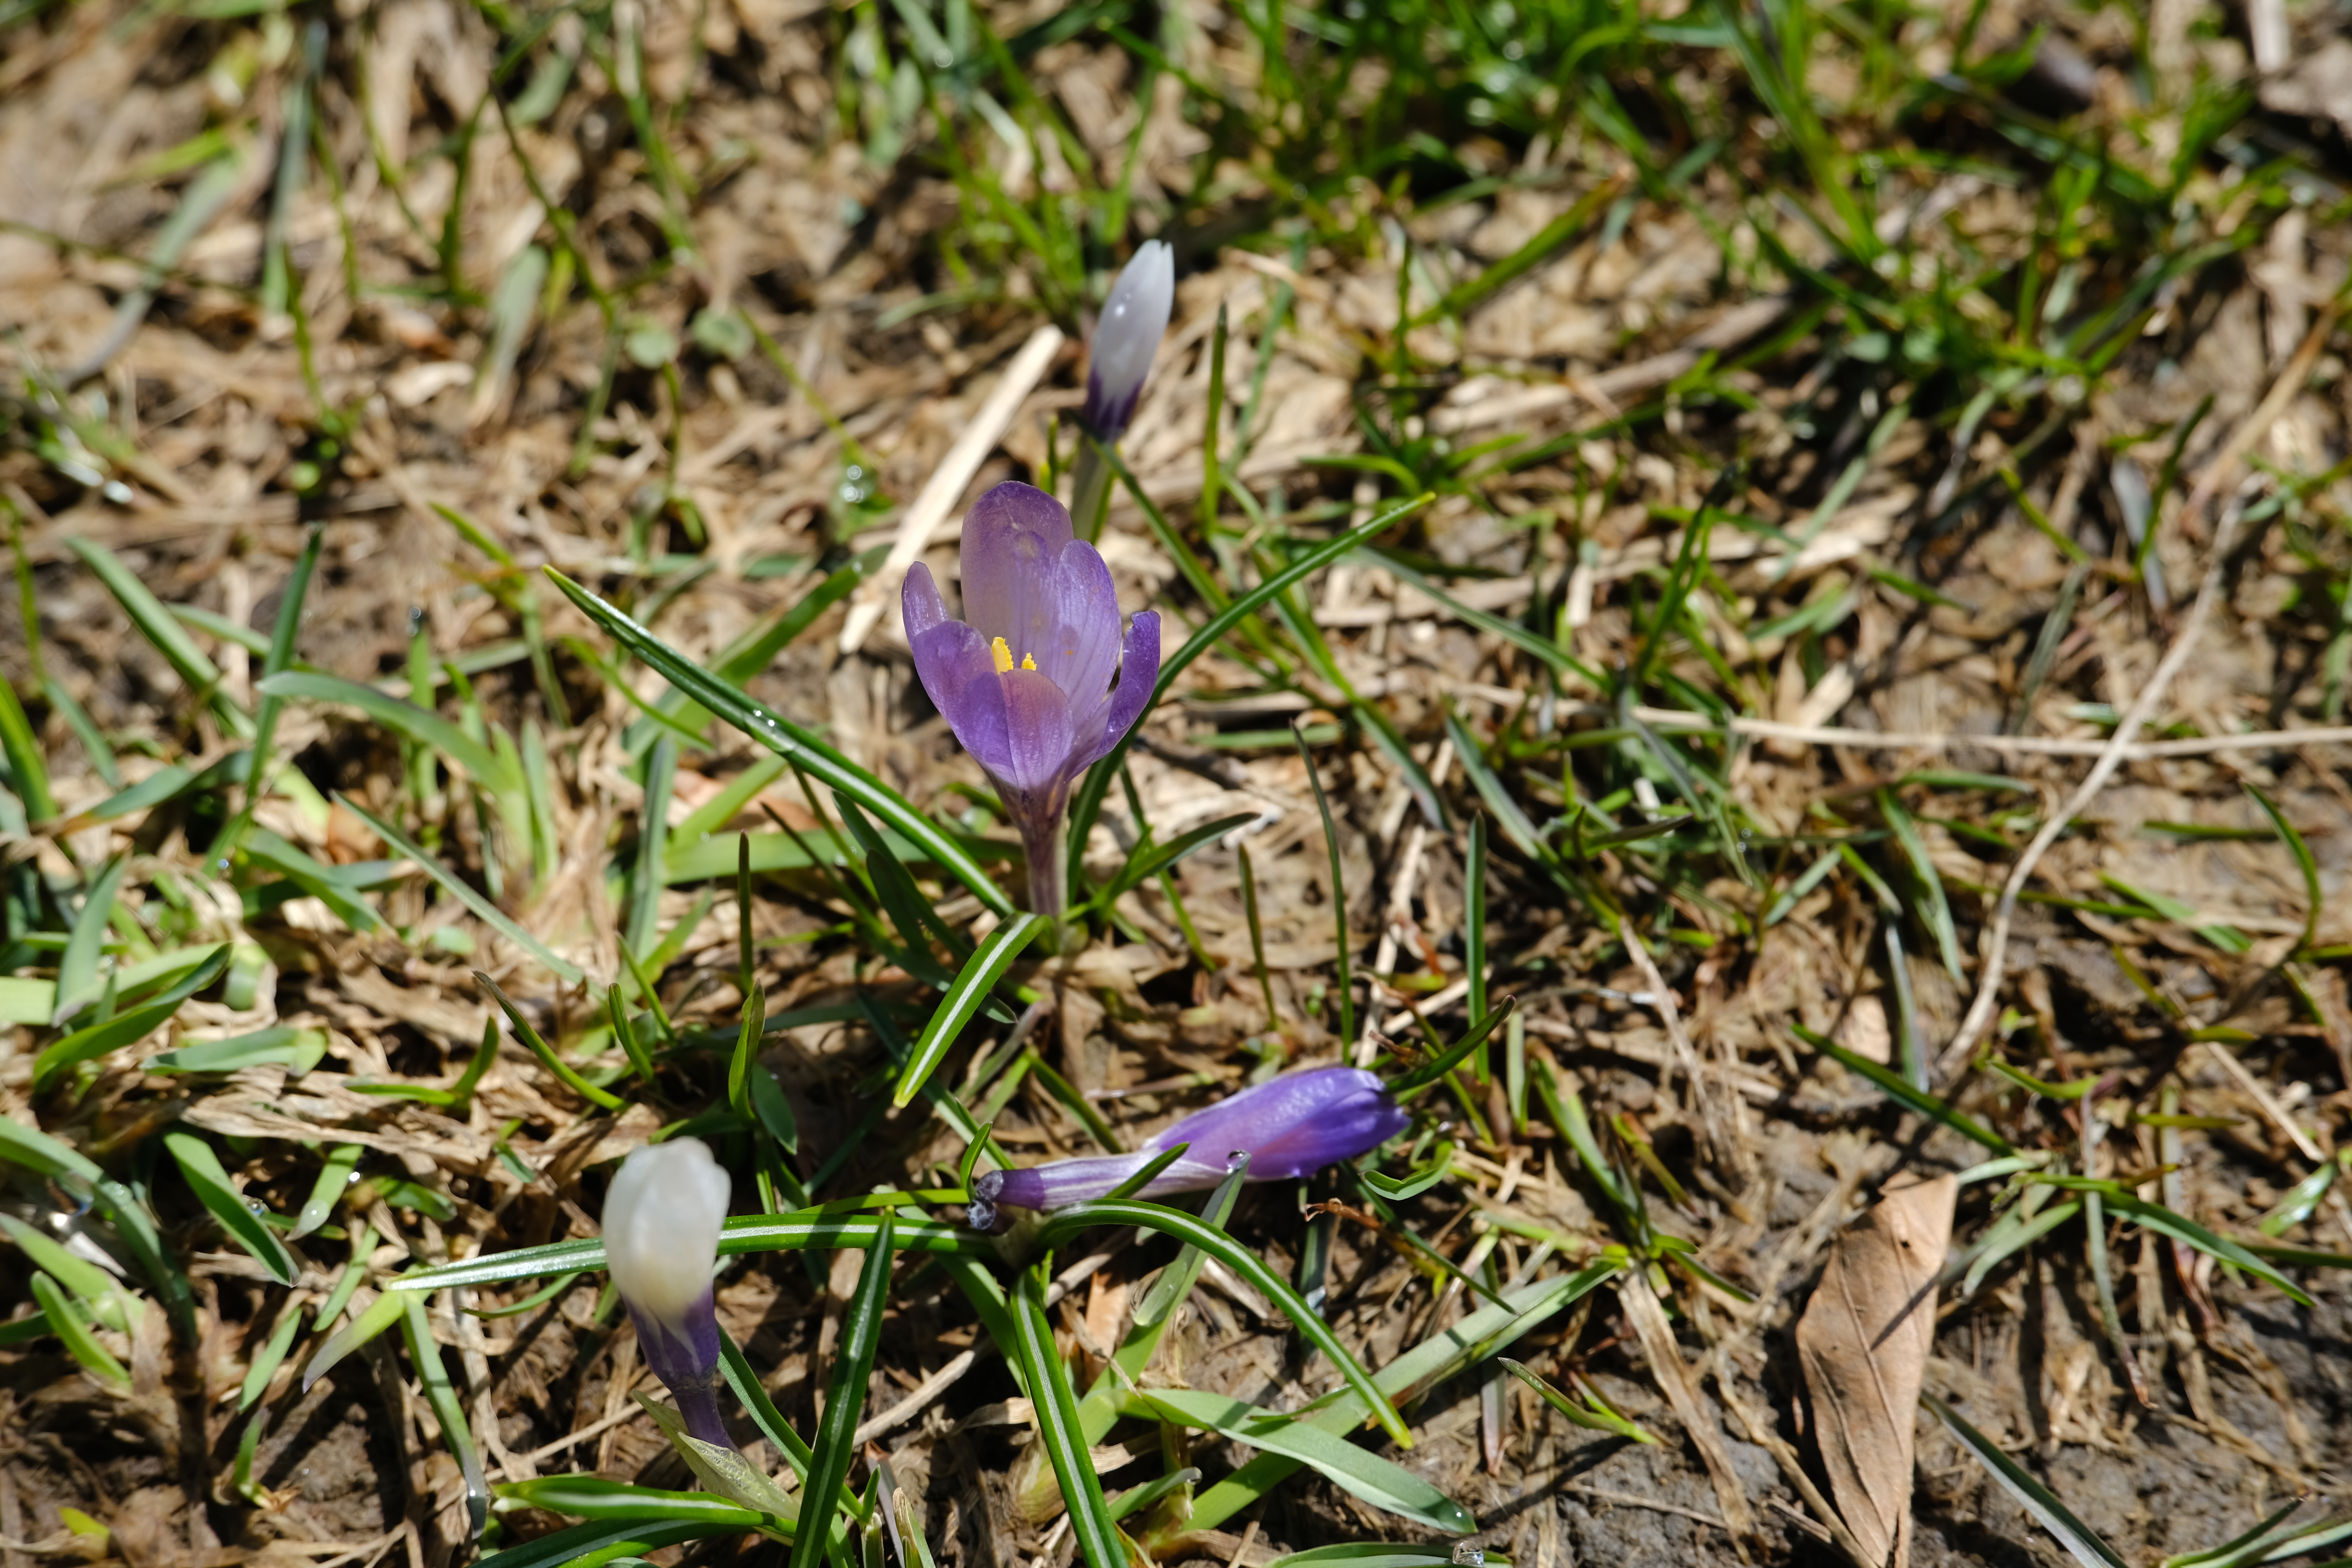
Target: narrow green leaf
1444 1354
1244 1262
2180 1227
972 986
2037 1499
740 1066
812 1229
593 1497
1040 1359
265 1365
1434 1071
1601 1419
79 1341
1900 1089
421 725
26 765
79 1275
1413 1183
1383 1483
786 739
563 1070
489 913
213 1189
298 1051
156 624
1149 861
601 1542
835 1446
77 981
1087 804
97 1039
433 1376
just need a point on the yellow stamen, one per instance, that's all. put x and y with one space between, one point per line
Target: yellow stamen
1003 655
1027 662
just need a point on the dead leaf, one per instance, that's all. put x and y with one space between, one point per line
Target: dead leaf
1863 1344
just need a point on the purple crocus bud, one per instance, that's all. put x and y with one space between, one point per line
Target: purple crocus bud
1134 319
1025 678
1287 1126
662 1219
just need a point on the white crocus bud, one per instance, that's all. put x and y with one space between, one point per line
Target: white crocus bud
662 1219
1134 319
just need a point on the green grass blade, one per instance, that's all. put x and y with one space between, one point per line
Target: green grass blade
1150 859
563 1070
1444 1354
1344 977
1244 1262
77 983
2037 1499
593 1497
1087 804
789 740
202 1168
970 990
600 1541
433 1376
1032 1347
278 658
818 1230
836 1446
26 765
125 1028
157 624
1936 914
489 913
2181 1228
1900 1088
421 725
1383 1483
1431 1072
79 1341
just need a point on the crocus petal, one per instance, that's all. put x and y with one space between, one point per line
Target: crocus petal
1011 537
960 674
1134 319
662 1218
1139 675
919 602
1077 647
1037 734
1287 1126
1059 1182
1296 1123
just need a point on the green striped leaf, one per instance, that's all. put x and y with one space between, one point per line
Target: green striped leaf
786 739
970 992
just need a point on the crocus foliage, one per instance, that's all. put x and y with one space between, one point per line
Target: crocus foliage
1026 679
1288 1126
662 1219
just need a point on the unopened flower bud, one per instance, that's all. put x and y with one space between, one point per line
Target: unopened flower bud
662 1219
1134 319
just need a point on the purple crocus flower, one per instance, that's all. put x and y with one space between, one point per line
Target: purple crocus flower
1025 678
1288 1126
662 1218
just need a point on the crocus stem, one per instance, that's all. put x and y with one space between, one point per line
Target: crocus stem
699 1403
1090 489
1041 845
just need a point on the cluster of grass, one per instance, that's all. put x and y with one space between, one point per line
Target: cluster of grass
1338 134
